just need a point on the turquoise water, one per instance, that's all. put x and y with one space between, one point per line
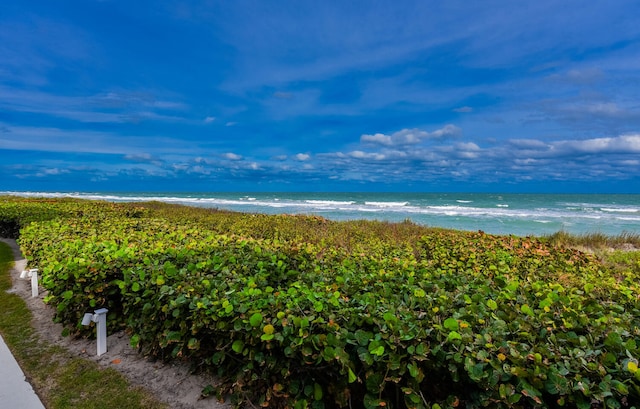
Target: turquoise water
518 214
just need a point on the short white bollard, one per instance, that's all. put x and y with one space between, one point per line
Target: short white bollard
100 318
33 273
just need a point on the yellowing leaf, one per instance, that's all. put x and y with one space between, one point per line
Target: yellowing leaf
268 329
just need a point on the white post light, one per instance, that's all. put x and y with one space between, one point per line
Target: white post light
33 273
100 318
34 283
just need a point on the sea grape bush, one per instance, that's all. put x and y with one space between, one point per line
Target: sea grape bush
379 318
16 212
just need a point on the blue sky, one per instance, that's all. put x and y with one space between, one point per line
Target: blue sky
530 96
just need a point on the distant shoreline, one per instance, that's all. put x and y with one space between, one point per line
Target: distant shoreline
518 214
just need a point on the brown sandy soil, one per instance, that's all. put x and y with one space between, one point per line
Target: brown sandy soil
171 383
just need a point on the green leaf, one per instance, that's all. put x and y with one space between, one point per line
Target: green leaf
237 346
193 344
453 335
545 303
620 387
317 391
374 381
451 324
173 336
492 304
370 401
207 391
67 295
352 376
169 269
376 348
556 384
413 370
256 319
527 310
390 317
477 372
134 341
613 340
363 337
379 351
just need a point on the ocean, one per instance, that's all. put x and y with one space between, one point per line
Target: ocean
517 214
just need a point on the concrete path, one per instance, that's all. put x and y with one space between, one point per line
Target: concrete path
15 391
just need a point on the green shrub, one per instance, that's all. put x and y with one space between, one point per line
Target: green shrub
382 316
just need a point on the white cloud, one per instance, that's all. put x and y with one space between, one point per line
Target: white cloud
302 157
232 156
526 162
463 109
45 139
141 157
209 119
605 108
630 162
410 136
111 107
620 144
199 169
366 155
467 146
593 111
579 77
52 172
376 138
551 159
462 150
448 130
528 144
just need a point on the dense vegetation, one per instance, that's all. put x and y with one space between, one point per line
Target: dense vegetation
295 311
61 380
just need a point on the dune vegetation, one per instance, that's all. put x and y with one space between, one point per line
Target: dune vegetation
300 311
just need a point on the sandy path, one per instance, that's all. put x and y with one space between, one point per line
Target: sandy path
171 383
